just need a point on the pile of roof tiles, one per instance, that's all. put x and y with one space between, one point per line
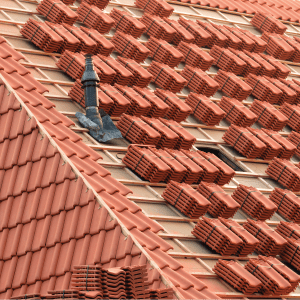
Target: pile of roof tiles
291 253
57 12
199 82
288 230
295 87
94 17
62 294
194 56
266 68
126 23
294 138
232 86
259 45
285 172
292 112
217 236
160 294
158 28
288 205
249 241
221 204
178 110
237 276
254 203
267 23
141 77
270 242
204 109
166 77
233 41
99 3
155 7
282 71
163 52
294 44
129 47
236 113
186 199
268 116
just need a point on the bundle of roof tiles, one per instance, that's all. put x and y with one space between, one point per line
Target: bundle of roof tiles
232 86
129 47
199 82
292 112
267 23
57 12
294 44
166 77
141 77
163 52
221 204
113 283
62 294
288 230
268 116
155 7
186 199
249 241
291 253
99 3
270 242
285 172
254 203
236 113
294 138
160 293
204 109
282 71
217 236
94 17
126 23
233 41
178 110
295 87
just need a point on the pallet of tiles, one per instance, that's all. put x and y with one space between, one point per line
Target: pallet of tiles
288 229
267 23
293 86
292 112
294 44
282 71
291 253
294 138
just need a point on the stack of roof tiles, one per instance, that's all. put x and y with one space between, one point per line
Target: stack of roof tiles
292 112
186 199
221 204
99 3
62 294
268 116
158 28
163 52
199 82
57 12
94 17
237 276
194 56
129 47
249 241
166 77
233 41
217 236
267 23
178 110
291 253
294 44
288 204
272 282
204 109
113 283
126 23
232 86
155 7
294 138
236 113
282 71
254 203
270 242
160 293
293 86
285 172
288 230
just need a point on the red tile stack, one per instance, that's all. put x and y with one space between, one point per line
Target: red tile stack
161 294
285 172
204 109
232 86
57 12
235 274
236 113
99 3
267 23
129 47
222 205
202 37
199 82
141 77
155 7
291 253
293 86
166 77
254 203
294 44
271 243
146 164
126 23
42 36
244 142
249 241
113 283
163 52
272 282
94 17
61 294
195 57
294 138
186 199
158 28
282 71
178 110
288 229
292 112
137 131
217 236
233 41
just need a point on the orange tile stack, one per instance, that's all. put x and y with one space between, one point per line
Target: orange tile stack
61 294
282 71
288 229
293 86
233 41
155 7
99 3
267 23
291 253
294 44
292 112
161 294
294 138
113 283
